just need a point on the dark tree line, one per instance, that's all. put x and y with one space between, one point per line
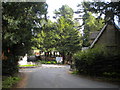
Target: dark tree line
18 28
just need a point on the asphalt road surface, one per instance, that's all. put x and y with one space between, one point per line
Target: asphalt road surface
58 76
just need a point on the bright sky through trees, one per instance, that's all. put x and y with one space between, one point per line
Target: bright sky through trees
56 4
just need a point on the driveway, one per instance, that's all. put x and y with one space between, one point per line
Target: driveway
58 76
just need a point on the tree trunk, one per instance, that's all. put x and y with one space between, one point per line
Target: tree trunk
50 54
54 54
45 56
70 58
63 55
71 62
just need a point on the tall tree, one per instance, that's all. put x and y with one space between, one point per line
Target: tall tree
109 9
61 35
68 35
64 11
45 39
18 24
90 22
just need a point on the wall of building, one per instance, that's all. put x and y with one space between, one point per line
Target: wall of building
110 38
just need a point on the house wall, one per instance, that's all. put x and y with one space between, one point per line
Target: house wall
92 36
110 38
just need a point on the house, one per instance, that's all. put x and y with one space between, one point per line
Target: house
109 36
92 36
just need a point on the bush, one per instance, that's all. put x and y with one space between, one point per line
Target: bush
9 82
9 67
47 62
97 62
27 65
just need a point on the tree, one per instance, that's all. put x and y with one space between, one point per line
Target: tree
45 40
61 35
90 22
109 9
64 11
69 40
18 24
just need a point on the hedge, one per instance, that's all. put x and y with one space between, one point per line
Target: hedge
9 67
97 62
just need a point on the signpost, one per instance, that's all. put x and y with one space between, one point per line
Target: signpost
59 59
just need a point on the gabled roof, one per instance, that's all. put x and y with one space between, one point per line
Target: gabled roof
93 35
101 32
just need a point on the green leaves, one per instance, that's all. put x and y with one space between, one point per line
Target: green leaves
18 22
97 62
68 36
91 22
109 9
60 35
64 11
94 24
10 81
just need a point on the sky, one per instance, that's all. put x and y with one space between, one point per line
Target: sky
56 4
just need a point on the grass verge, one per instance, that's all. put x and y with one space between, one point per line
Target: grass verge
10 81
27 65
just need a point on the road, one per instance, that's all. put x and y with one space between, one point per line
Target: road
58 76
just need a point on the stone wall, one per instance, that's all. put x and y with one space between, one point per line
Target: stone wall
110 38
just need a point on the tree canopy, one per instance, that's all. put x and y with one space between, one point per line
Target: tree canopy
64 11
61 35
19 26
109 9
69 39
90 22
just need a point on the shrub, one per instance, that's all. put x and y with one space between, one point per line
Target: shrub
9 67
97 62
27 65
48 62
9 82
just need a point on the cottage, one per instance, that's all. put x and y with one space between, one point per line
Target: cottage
109 37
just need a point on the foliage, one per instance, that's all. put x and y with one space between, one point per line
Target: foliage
75 72
106 10
9 82
90 22
64 11
68 37
45 39
19 24
27 65
94 24
9 67
97 62
47 62
61 35
109 9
